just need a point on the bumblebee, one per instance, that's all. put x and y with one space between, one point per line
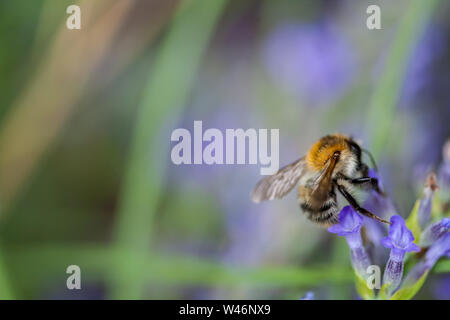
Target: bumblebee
333 164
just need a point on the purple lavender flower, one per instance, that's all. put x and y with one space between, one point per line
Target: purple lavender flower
312 61
434 232
399 240
429 47
440 248
308 296
349 226
424 212
442 288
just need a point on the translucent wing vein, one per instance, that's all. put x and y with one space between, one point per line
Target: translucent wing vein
278 185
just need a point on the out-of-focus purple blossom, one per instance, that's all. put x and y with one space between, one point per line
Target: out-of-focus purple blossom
442 288
424 212
444 176
375 202
349 226
418 76
434 232
312 61
308 296
444 170
438 249
425 143
425 84
399 240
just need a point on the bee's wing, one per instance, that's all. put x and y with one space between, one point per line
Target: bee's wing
278 185
323 183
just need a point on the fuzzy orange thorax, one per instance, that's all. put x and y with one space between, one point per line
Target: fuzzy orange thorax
322 150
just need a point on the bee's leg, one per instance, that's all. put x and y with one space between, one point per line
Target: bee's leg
364 168
368 180
356 206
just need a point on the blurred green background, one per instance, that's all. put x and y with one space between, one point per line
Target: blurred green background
86 117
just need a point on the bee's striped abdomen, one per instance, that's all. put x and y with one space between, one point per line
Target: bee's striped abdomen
323 213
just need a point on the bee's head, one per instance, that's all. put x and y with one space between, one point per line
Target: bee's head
349 161
347 150
355 149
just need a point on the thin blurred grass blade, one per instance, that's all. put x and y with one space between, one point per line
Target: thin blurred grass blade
165 95
48 101
95 261
5 288
382 115
162 270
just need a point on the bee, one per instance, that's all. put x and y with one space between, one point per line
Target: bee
333 164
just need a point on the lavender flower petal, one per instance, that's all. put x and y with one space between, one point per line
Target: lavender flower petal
399 240
349 226
393 274
438 249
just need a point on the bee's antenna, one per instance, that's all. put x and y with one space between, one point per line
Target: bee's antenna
371 158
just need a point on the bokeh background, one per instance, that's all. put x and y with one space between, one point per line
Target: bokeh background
86 117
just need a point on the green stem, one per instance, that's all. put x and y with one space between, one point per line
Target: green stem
5 289
165 95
